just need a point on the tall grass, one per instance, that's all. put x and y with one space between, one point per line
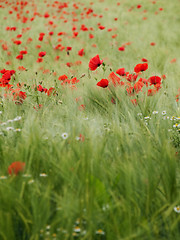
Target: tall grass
114 174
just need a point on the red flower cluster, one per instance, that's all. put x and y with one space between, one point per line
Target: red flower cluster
141 67
16 168
6 77
64 80
132 84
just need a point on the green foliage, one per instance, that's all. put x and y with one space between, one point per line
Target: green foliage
97 167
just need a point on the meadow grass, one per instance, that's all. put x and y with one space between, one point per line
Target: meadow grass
96 165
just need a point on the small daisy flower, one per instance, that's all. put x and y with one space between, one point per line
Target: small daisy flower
100 232
0 112
10 121
4 123
17 118
155 112
75 234
48 227
3 177
77 221
163 112
64 135
43 175
83 232
26 175
145 118
105 207
9 128
17 130
177 209
31 181
165 117
77 229
173 118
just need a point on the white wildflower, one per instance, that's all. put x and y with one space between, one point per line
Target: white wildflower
17 130
177 209
3 177
10 121
64 135
77 229
100 232
31 181
17 118
43 175
9 128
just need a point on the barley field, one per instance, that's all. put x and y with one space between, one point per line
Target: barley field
89 120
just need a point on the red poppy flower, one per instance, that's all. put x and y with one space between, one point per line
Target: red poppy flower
134 102
144 60
132 77
16 168
173 60
121 48
42 54
103 83
151 92
81 52
154 80
50 91
40 38
101 27
81 138
91 36
95 62
141 67
115 79
40 88
20 57
75 34
19 36
138 85
63 77
82 107
69 64
46 15
121 71
23 52
39 60
17 42
21 68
